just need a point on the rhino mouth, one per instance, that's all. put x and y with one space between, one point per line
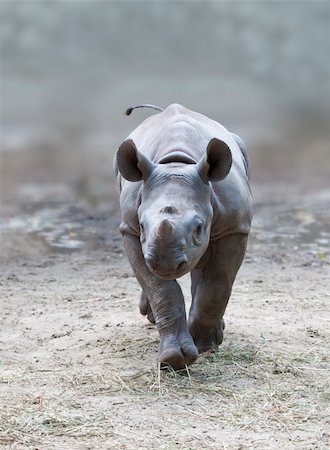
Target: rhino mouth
165 274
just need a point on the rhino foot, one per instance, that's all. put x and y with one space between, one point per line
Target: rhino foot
145 308
206 337
177 352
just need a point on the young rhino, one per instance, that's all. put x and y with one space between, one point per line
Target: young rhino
186 207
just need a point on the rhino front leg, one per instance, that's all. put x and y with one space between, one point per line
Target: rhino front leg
176 348
211 288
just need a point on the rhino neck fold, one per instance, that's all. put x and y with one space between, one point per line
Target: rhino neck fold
177 155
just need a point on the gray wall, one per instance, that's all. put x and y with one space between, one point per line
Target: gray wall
69 69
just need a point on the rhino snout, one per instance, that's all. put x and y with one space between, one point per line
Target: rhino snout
166 268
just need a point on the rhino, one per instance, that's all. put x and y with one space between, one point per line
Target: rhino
186 205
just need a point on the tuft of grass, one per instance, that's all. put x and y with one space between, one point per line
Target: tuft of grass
28 425
240 355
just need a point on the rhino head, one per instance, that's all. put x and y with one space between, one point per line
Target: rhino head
175 213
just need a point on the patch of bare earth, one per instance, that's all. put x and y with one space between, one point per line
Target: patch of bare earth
78 363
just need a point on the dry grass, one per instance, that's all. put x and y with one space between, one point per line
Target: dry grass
28 424
258 391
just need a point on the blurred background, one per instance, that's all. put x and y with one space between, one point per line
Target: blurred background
69 69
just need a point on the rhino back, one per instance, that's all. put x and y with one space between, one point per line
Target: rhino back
179 128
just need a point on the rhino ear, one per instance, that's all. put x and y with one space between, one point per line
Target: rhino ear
132 164
216 163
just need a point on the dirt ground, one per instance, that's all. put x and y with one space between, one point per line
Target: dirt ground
78 366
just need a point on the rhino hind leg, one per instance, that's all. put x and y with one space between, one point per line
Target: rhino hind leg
145 308
207 337
211 288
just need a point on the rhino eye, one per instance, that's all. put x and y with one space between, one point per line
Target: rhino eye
199 229
197 234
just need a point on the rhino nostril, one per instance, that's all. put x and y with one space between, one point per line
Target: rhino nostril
150 261
182 265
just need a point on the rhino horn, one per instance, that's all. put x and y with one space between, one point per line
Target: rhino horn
165 228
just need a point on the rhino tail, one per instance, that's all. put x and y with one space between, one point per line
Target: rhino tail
131 108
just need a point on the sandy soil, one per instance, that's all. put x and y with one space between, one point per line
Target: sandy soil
78 363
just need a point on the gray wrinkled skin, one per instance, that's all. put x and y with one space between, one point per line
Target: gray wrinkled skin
186 207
